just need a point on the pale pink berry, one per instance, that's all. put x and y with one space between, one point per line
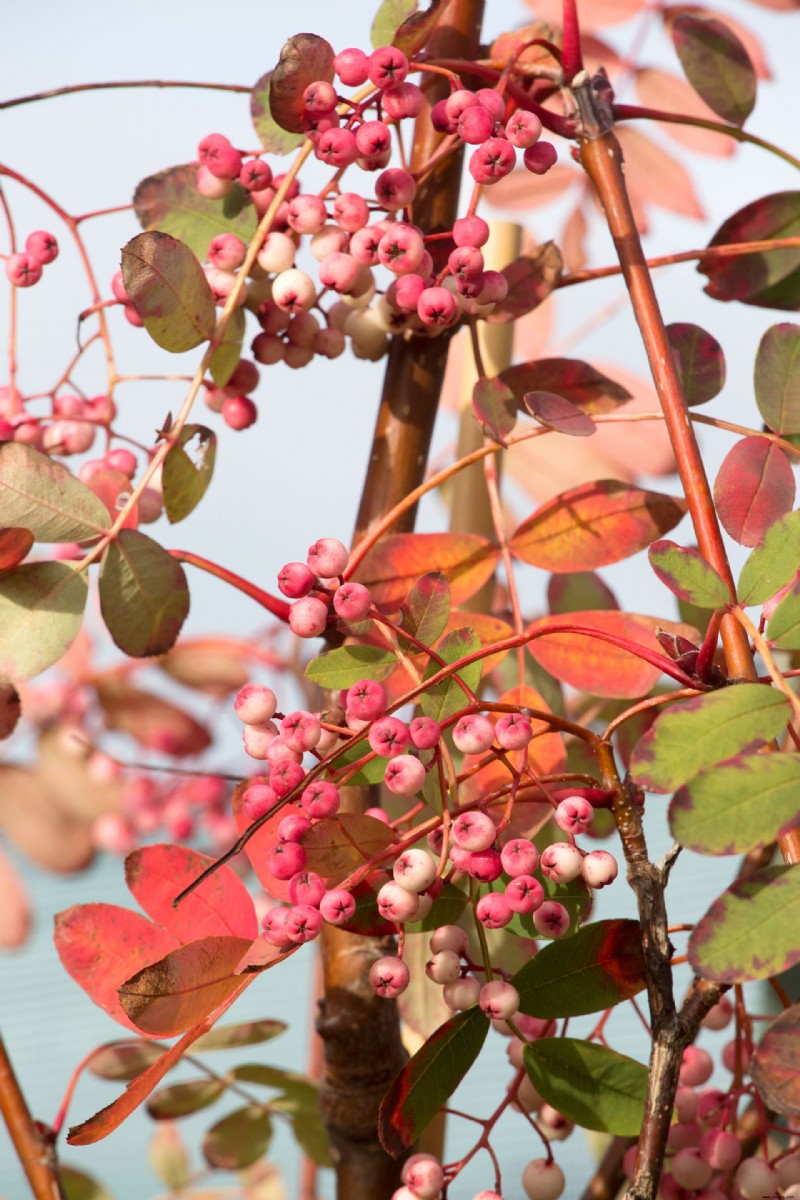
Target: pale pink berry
273 924
378 814
551 919
364 245
285 859
389 976
425 733
226 251
720 1016
473 734
404 776
308 617
599 868
303 923
395 189
122 460
330 239
513 731
487 1195
437 306
407 291
340 272
540 158
574 814
307 214
257 739
352 601
337 906
396 903
788 1171
210 186
495 288
443 967
295 580
424 1178
493 910
387 66
499 1000
524 894
255 703
42 245
543 1179
720 1148
414 870
492 161
474 831
277 255
366 699
755 1179
293 827
483 865
294 291
462 993
402 100
300 731
285 776
350 211
258 799
388 737
23 270
561 862
523 129
697 1067
449 937
321 799
327 557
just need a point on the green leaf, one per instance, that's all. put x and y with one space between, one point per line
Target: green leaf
388 19
171 203
169 290
300 1093
694 734
227 354
144 596
593 1086
346 665
775 1067
426 608
245 1033
187 470
687 574
700 361
428 1079
776 377
371 772
773 563
416 29
445 910
41 495
738 805
750 931
41 609
446 697
78 1185
716 64
238 1140
312 1137
182 1099
272 137
783 628
124 1060
597 967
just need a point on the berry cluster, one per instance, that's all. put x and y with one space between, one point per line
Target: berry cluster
25 268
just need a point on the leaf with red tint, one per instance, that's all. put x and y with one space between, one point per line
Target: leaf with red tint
716 64
655 177
574 237
778 5
687 575
768 278
531 278
428 1079
578 591
777 377
390 568
598 666
220 905
670 93
521 190
752 44
169 290
576 381
597 967
559 414
337 846
10 709
754 488
272 137
700 361
416 29
216 666
426 608
593 525
495 408
488 630
154 723
15 910
304 59
171 202
47 834
775 1067
15 546
101 944
595 14
259 956
167 997
111 1117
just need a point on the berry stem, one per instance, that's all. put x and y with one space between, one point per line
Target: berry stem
279 608
130 83
636 112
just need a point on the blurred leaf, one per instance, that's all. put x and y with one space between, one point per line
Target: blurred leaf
700 362
346 665
392 567
783 627
10 709
124 1060
239 1139
768 278
750 931
169 290
212 665
15 909
775 1067
171 203
187 471
43 831
668 92
531 278
336 846
754 488
593 525
77 1185
227 354
559 414
169 1158
654 176
41 610
595 1087
183 1099
388 19
299 1092
44 497
245 1033
716 64
495 407
272 137
312 1137
428 1080
15 544
144 596
305 58
426 608
600 965
738 805
694 734
443 699
576 381
772 564
687 574
153 722
579 591
416 29
777 377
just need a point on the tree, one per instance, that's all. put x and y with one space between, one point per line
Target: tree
517 732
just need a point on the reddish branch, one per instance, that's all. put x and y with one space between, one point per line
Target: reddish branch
34 1149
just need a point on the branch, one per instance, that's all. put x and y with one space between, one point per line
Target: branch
129 83
34 1148
635 112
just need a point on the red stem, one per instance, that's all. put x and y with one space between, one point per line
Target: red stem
279 608
571 58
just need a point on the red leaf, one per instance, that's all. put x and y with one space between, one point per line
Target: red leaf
593 525
716 64
775 1068
391 567
416 29
10 709
751 43
770 278
521 190
576 381
169 996
495 407
559 414
153 722
655 177
221 905
531 278
15 546
601 668
700 361
754 488
101 944
670 93
304 59
111 1117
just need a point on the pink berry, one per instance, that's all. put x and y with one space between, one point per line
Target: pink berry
524 894
285 776
320 96
337 906
352 67
219 157
337 147
484 865
258 799
720 1016
697 1067
239 412
574 815
327 557
755 1179
599 868
320 799
492 161
561 862
255 704
437 306
401 249
389 976
294 291
520 857
273 924
473 734
42 245
300 731
255 175
373 138
293 827
405 775
443 967
475 125
226 252
424 1178
474 831
551 919
306 887
387 66
286 859
303 923
395 189
396 903
210 186
366 699
471 231
257 739
492 100
458 102
499 1000
402 100
540 158
352 601
414 870
513 731
425 733
275 256
523 129
123 461
407 291
340 272
307 214
308 617
493 910
720 1148
295 580
350 211
23 270
440 119
449 937
462 993
388 737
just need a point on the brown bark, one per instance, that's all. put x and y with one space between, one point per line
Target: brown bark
361 1032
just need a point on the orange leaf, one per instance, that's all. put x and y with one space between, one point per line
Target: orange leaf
656 177
594 13
15 543
221 905
662 89
599 667
399 560
262 841
337 846
521 190
593 525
